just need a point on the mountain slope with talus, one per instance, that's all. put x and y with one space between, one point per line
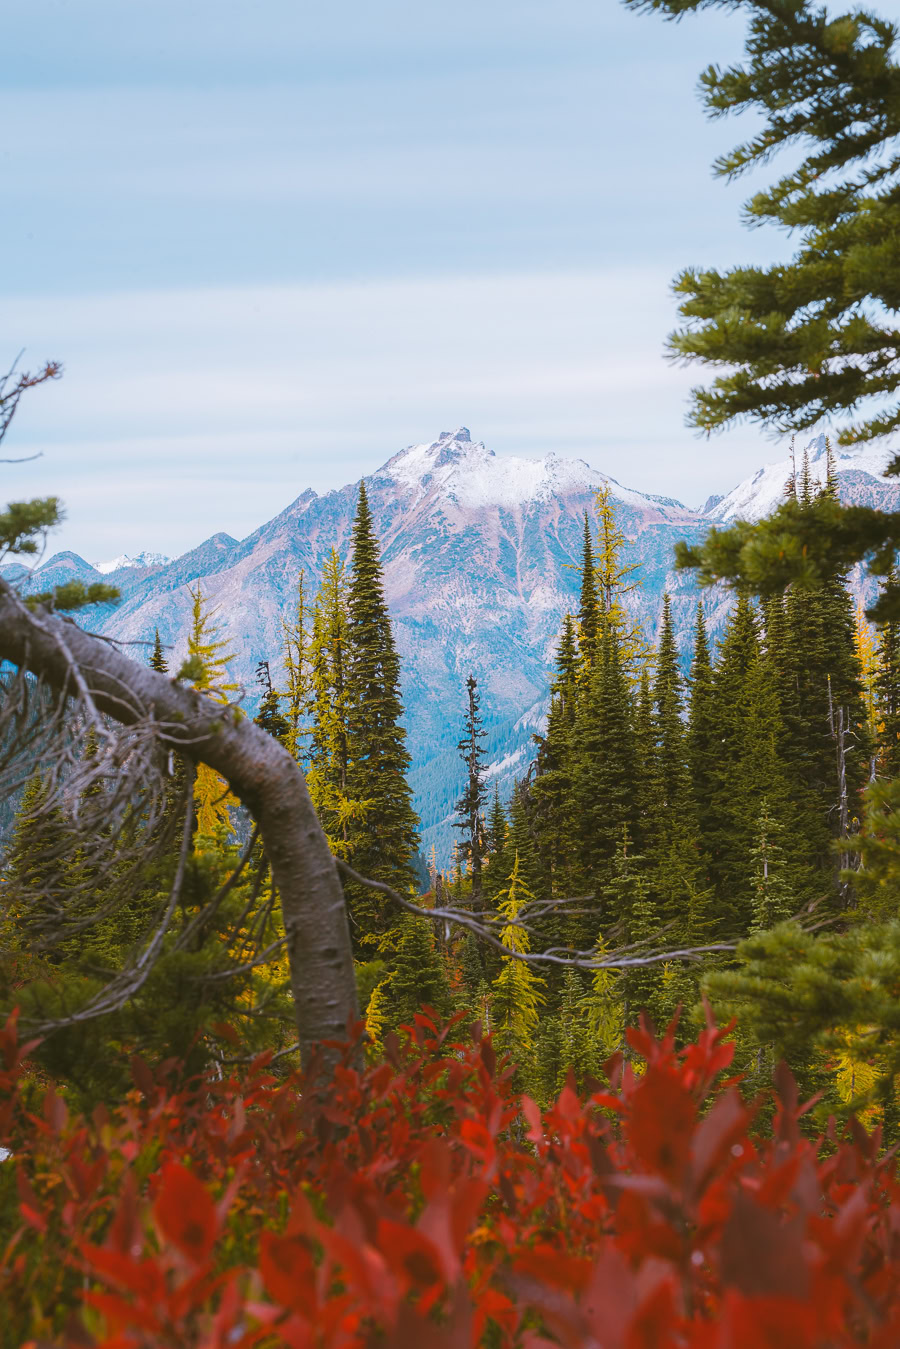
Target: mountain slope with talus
481 557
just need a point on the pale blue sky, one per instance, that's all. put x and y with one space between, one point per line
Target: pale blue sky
274 243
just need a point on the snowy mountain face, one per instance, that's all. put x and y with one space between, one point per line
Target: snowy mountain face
119 563
860 481
481 557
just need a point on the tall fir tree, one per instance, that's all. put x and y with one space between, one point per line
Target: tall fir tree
494 874
728 830
383 838
296 652
470 806
270 716
703 745
157 659
671 833
589 601
418 975
208 654
518 990
555 819
887 687
605 763
328 749
615 578
668 697
521 848
207 663
752 766
773 896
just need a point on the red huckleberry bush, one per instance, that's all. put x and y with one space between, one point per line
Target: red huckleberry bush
424 1204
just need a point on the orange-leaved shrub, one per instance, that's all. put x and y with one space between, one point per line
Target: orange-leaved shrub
423 1204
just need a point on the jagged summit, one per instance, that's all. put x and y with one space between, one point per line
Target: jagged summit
471 477
144 559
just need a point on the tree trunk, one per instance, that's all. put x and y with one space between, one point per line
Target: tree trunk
258 770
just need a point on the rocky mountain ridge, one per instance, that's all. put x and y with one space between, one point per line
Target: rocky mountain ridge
481 559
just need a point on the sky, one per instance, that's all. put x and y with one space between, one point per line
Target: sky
272 244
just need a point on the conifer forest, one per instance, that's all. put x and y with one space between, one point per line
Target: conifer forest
614 1066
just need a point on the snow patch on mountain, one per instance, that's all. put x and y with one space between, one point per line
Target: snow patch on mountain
501 767
144 559
757 496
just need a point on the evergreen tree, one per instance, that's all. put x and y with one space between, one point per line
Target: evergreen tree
270 716
207 662
670 757
577 1052
604 1009
629 909
171 765
418 972
589 605
157 660
470 806
207 667
297 661
751 766
825 741
35 860
521 849
605 763
329 753
670 832
887 686
866 644
805 338
773 900
518 995
495 872
645 761
703 747
555 819
383 839
614 580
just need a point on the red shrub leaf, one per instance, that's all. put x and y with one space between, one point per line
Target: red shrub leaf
661 1122
761 1254
185 1212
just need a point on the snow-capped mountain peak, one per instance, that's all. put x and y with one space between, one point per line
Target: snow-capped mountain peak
472 477
144 559
759 495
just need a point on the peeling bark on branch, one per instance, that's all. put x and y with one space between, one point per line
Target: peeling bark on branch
259 771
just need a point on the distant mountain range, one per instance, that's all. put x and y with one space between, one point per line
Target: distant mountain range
480 560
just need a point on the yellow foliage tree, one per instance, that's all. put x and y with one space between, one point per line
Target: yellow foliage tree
604 1007
517 989
297 660
614 582
867 652
208 660
856 1077
329 698
376 1016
